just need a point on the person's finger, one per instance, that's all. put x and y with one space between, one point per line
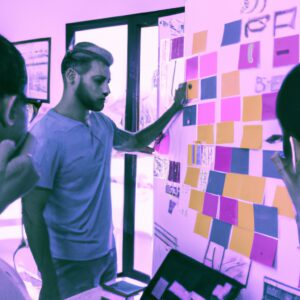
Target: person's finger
7 148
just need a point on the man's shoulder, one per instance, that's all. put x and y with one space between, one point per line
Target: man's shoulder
102 118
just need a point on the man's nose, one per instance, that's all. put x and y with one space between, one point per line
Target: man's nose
106 91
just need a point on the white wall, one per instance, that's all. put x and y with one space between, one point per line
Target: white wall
31 19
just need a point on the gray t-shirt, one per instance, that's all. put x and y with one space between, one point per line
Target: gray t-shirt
73 160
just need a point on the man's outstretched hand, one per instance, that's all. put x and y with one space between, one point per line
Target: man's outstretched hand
180 99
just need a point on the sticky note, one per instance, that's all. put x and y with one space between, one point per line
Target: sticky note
199 42
233 185
253 188
197 154
192 176
191 68
266 220
246 215
193 92
231 109
190 154
230 84
177 47
220 233
269 106
252 137
164 145
215 183
228 210
205 134
269 169
196 200
283 202
241 241
225 133
223 159
249 55
171 207
202 225
240 161
210 206
252 108
208 64
209 88
206 113
264 249
232 33
286 51
189 115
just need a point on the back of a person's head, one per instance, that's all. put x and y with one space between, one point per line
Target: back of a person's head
81 56
13 76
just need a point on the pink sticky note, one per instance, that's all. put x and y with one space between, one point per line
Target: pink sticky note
223 159
164 145
210 206
208 64
269 106
191 68
249 55
206 113
231 109
229 210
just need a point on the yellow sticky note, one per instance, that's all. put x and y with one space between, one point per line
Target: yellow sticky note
233 185
241 241
192 176
196 200
245 215
225 133
252 137
202 225
190 154
252 108
230 85
193 89
205 134
199 42
253 188
283 202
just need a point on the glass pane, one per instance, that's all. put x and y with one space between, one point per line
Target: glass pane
114 39
144 189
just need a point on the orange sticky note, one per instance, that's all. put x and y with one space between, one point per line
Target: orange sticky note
245 215
193 89
283 202
230 85
190 154
233 185
253 188
225 133
205 134
192 176
202 225
199 42
241 241
252 137
196 200
252 108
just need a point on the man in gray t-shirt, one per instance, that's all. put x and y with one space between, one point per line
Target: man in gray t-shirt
68 217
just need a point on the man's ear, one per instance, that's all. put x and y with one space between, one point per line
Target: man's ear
71 76
7 117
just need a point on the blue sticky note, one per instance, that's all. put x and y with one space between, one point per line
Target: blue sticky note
220 233
266 220
215 182
232 33
189 115
240 161
209 88
269 169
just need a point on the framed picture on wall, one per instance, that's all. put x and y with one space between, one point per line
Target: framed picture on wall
37 55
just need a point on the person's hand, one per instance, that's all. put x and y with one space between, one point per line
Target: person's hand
180 99
291 178
7 148
49 292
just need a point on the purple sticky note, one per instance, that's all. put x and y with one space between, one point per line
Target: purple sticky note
223 159
264 249
177 47
208 64
249 55
231 109
206 113
191 68
286 51
210 205
269 106
229 210
164 145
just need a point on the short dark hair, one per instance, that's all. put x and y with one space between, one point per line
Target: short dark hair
81 56
288 107
13 75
